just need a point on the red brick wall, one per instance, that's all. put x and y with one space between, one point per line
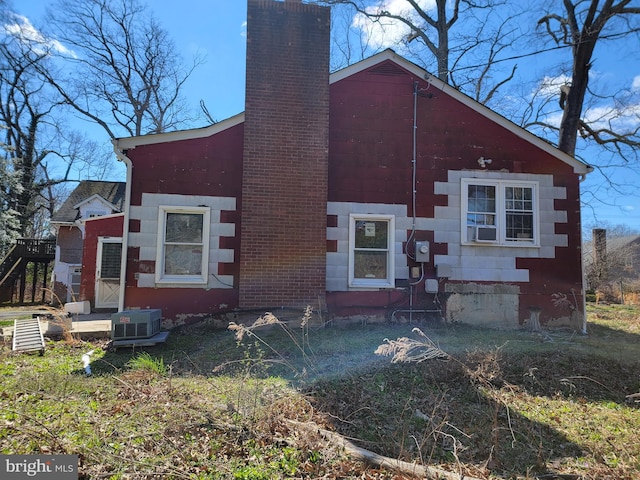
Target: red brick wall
284 192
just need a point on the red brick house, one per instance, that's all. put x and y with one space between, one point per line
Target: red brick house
373 190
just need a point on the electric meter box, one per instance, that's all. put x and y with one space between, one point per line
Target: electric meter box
422 252
131 324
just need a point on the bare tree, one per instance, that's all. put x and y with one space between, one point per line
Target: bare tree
9 216
25 109
106 59
122 70
40 153
464 57
348 44
581 25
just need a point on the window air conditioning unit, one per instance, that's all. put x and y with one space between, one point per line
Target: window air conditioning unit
131 324
485 234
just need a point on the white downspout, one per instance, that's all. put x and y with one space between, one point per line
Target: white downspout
125 227
583 177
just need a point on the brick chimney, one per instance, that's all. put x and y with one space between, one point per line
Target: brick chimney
286 131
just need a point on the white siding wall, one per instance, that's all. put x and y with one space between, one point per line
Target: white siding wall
469 263
146 239
338 262
491 262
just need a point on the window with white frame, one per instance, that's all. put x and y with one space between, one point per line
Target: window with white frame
499 212
371 259
183 244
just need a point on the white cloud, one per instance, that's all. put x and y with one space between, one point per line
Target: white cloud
23 29
550 86
554 120
620 117
387 32
635 84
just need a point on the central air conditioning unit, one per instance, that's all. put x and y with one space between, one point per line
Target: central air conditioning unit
485 233
132 324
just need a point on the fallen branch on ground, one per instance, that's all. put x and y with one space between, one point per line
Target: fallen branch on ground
367 456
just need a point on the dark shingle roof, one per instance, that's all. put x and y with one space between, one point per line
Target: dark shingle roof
112 192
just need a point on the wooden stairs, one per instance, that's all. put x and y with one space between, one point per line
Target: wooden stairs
14 266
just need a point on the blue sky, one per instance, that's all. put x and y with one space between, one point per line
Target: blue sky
216 30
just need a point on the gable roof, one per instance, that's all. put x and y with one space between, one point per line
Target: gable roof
102 200
388 55
613 245
111 193
622 242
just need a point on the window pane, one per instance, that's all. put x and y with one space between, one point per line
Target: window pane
370 265
110 261
481 198
480 219
182 260
519 213
520 226
519 198
184 228
371 234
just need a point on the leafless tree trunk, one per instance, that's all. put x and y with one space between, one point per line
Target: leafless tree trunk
581 26
611 259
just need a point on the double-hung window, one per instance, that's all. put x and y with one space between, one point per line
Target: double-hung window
499 212
371 256
183 245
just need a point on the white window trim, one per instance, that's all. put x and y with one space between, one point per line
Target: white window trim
389 282
163 210
501 239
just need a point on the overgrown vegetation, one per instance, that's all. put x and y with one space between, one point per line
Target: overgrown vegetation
213 405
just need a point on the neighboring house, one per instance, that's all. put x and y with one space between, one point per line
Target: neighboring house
625 264
608 261
88 201
375 189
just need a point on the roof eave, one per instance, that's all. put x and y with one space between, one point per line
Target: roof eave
578 166
128 143
99 197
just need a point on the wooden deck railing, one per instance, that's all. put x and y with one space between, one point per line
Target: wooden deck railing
35 248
